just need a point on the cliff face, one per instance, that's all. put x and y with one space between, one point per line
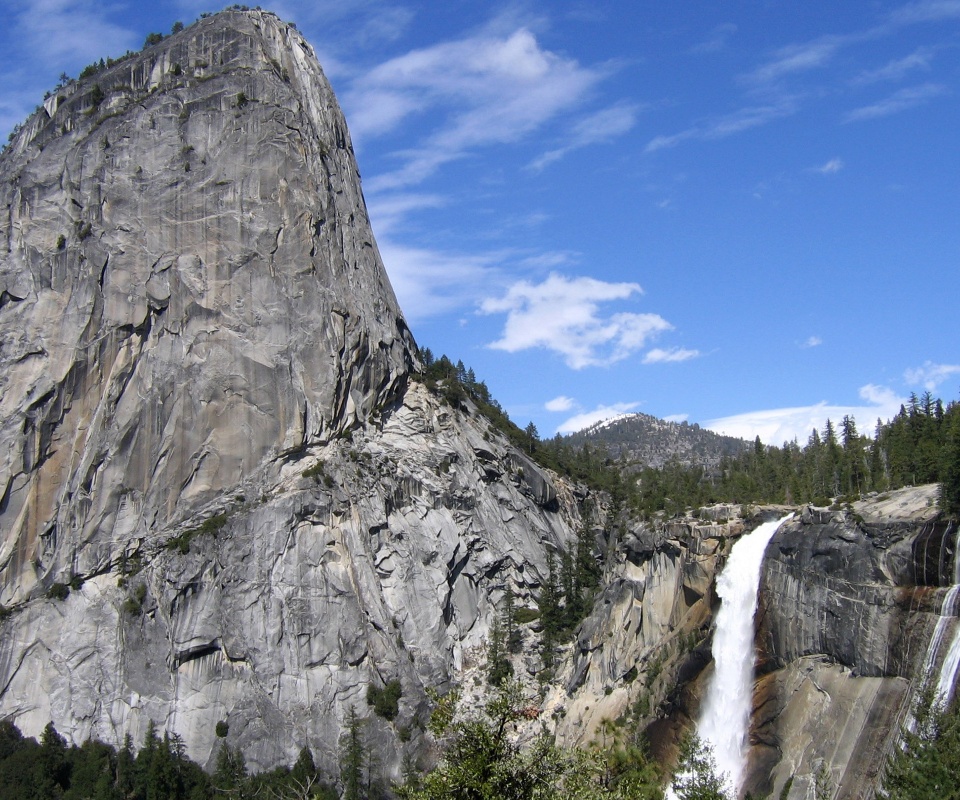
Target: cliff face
190 289
848 603
194 314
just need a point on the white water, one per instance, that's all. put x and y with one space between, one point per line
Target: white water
948 670
725 719
947 675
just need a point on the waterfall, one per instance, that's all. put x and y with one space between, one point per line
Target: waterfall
725 719
948 670
947 675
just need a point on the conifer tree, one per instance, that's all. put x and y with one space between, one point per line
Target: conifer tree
353 758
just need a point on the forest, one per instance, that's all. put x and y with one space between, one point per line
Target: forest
838 464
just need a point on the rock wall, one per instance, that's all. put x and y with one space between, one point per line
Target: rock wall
386 562
843 627
222 495
189 289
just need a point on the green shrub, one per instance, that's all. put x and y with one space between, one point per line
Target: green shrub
316 471
525 615
59 591
385 701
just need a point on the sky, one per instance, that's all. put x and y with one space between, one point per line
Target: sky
744 215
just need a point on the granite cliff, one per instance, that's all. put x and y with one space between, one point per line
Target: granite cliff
194 314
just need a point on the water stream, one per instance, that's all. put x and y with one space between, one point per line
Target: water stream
725 718
948 669
947 674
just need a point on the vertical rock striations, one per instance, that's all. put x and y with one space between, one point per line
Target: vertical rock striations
190 288
849 600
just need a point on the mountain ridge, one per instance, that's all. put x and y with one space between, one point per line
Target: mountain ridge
643 440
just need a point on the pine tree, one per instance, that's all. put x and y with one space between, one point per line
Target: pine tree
950 463
548 603
499 667
696 777
353 758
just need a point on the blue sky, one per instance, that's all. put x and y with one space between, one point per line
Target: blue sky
745 215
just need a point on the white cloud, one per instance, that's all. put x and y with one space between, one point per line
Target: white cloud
431 282
778 425
897 69
833 166
489 88
673 354
926 11
677 418
587 418
728 125
561 403
562 315
812 341
716 40
72 31
798 58
595 129
388 211
899 101
931 375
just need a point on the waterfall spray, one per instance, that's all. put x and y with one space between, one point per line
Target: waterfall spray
725 719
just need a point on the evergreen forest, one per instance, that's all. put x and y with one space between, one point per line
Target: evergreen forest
920 445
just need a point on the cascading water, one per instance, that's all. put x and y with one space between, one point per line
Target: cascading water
951 663
725 719
947 675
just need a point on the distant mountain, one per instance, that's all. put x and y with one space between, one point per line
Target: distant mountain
644 440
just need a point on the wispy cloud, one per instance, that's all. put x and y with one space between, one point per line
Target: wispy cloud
899 101
812 341
587 418
72 31
485 89
430 283
671 355
931 375
603 126
559 404
716 40
833 166
926 11
388 211
897 69
797 58
562 315
778 425
727 125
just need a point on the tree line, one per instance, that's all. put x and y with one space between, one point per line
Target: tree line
159 770
920 445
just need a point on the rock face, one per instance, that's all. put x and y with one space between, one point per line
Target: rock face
208 427
190 289
848 602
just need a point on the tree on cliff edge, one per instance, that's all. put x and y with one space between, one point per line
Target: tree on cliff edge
950 465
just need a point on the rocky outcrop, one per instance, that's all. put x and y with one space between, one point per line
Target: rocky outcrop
648 632
191 290
848 600
223 497
385 562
